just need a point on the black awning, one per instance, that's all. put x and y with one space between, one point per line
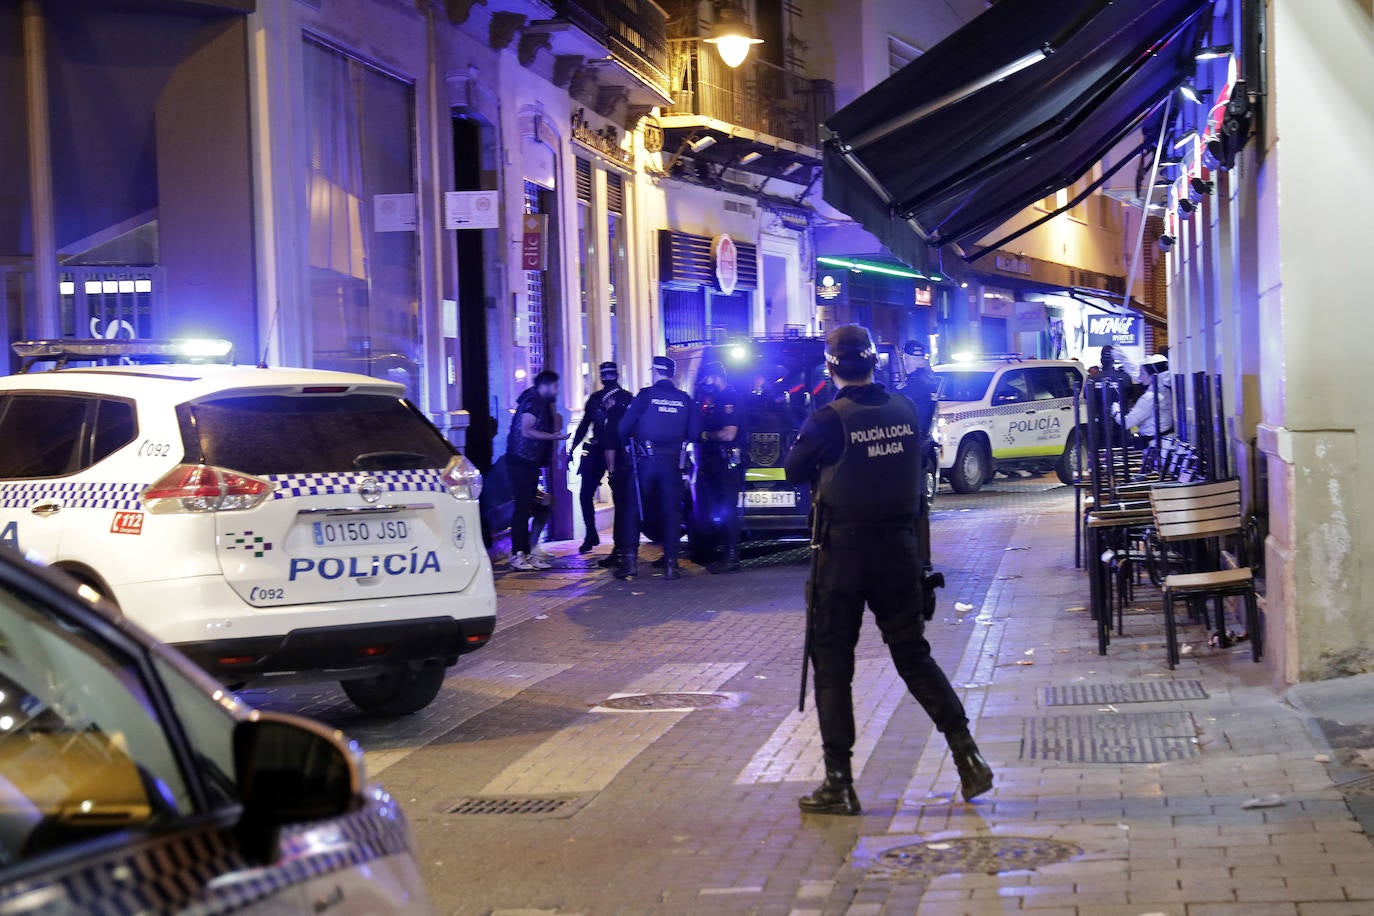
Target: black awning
1017 104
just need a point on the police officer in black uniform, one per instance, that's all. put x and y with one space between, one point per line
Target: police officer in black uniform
862 456
660 419
614 406
593 465
922 388
720 468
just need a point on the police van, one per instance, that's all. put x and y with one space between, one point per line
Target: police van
133 783
779 381
272 524
1008 413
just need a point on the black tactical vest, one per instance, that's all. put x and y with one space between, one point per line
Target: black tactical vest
878 476
535 451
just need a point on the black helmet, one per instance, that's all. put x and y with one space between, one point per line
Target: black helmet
850 352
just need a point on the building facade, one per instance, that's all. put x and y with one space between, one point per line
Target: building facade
1266 298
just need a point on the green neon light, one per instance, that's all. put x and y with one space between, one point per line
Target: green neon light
871 267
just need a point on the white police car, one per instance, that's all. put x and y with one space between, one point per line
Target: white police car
131 783
1007 413
272 524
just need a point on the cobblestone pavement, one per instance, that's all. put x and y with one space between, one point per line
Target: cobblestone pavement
648 734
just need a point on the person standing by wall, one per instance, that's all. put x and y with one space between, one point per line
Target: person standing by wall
529 448
720 466
660 420
593 466
862 456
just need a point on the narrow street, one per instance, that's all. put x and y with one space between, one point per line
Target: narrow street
635 748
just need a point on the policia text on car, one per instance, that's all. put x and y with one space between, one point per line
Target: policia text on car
867 550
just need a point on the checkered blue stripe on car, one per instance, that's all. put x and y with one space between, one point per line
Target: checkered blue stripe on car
1018 408
72 495
205 873
289 485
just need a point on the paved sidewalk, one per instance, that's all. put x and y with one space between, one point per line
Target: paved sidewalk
686 811
1244 817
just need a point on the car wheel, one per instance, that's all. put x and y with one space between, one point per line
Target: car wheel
932 485
972 465
1070 461
398 691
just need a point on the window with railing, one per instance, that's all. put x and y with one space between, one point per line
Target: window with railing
635 32
757 95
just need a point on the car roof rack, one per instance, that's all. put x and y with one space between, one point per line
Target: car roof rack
64 350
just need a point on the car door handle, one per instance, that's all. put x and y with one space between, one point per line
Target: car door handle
46 509
1066 408
1031 412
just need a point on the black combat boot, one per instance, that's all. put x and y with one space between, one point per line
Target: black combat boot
590 542
835 796
610 561
726 564
628 568
975 776
671 571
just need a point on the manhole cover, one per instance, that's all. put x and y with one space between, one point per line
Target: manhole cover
510 805
666 702
972 855
1146 737
1361 786
1112 694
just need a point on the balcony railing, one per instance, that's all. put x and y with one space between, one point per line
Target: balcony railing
635 32
757 95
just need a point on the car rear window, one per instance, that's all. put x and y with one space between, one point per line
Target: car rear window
964 386
312 434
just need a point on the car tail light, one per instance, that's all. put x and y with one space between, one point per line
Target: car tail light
201 488
463 479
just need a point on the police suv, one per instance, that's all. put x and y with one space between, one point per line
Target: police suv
1007 413
272 524
780 381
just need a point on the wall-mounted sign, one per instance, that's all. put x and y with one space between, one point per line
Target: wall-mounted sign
1114 330
472 210
924 295
393 212
1011 265
829 289
532 241
726 257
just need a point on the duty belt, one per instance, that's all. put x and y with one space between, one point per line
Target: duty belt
648 449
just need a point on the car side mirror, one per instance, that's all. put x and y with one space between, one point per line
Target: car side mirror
290 770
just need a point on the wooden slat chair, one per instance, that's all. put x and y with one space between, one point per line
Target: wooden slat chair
1204 512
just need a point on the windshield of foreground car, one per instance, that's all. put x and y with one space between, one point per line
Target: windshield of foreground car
289 434
964 386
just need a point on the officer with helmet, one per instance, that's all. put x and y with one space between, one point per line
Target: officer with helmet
660 420
720 470
861 454
594 463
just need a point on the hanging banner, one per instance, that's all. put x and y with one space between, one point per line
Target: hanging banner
534 230
727 263
1114 330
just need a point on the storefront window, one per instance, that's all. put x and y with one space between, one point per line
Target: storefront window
586 258
617 270
364 303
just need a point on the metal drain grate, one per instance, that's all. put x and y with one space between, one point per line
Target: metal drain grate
1147 737
510 805
666 702
1135 692
1362 786
971 855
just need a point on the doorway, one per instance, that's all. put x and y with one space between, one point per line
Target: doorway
472 138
